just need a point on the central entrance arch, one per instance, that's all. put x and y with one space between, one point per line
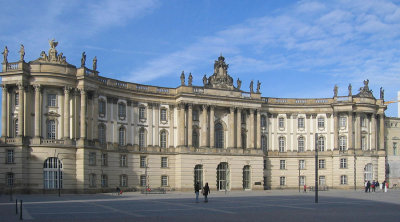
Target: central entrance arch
223 176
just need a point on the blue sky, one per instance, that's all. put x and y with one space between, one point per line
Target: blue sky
296 49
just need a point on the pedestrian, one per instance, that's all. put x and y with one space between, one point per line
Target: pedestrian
381 185
305 188
386 186
377 184
118 191
369 186
373 185
206 191
366 186
197 190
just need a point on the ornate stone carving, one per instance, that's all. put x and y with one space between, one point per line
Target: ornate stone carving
83 59
5 55
365 91
350 87
382 93
37 87
238 83
94 63
204 80
190 79
22 53
53 56
258 86
220 79
335 91
183 78
251 86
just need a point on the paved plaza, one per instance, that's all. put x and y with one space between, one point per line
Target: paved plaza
280 205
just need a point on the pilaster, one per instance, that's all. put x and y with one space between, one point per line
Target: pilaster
212 133
21 89
204 126
171 126
4 111
83 117
258 129
231 129
238 127
190 125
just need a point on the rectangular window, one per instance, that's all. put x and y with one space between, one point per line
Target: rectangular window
302 180
302 164
124 180
300 123
342 122
121 110
163 115
92 180
104 180
343 180
321 164
164 162
143 162
51 100
343 163
195 115
143 180
342 143
104 159
321 122
123 161
282 181
102 108
92 158
10 156
164 181
281 122
10 179
282 164
322 180
142 113
243 117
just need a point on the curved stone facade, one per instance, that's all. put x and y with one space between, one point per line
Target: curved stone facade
108 133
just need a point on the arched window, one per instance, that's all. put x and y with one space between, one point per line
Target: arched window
219 136
342 143
121 136
244 139
281 144
198 174
16 128
163 139
321 144
264 142
51 129
52 173
263 121
246 177
102 134
300 144
223 176
142 138
195 138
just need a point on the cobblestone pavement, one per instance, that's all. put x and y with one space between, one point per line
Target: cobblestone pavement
282 205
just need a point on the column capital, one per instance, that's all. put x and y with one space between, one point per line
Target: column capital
20 86
4 86
239 109
82 91
204 107
37 87
231 109
181 105
190 105
212 107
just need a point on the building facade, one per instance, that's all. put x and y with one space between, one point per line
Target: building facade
392 142
67 127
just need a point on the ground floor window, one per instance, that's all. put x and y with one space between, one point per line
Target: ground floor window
302 180
164 180
368 172
322 180
124 180
92 180
10 179
143 180
343 180
246 177
198 174
223 176
104 180
52 173
282 181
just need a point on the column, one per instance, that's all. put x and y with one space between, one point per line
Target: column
258 129
335 131
381 132
289 146
4 111
212 133
181 124
350 131
156 124
150 119
83 114
66 113
251 127
190 125
204 126
96 116
21 110
37 111
231 129
357 130
373 132
238 127
171 126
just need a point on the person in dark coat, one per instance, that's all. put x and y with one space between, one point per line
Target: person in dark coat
369 186
196 191
206 191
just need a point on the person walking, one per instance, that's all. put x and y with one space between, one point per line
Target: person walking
386 185
366 186
197 190
206 191
369 186
373 184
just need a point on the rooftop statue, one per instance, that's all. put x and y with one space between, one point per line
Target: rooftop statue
53 56
204 80
53 44
350 93
239 84
94 63
183 78
335 91
382 94
5 55
220 78
251 87
190 79
22 53
258 86
83 59
365 91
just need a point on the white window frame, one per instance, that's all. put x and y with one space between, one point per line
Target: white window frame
51 129
342 122
321 122
123 180
121 136
282 181
343 163
321 164
142 113
164 162
282 164
123 160
300 144
163 139
343 180
143 180
342 143
282 144
300 123
104 180
121 110
51 100
281 122
102 134
143 161
302 164
92 158
164 180
10 156
163 114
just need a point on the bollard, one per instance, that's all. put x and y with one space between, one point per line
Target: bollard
20 210
16 206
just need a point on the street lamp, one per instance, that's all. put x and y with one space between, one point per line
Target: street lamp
316 167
